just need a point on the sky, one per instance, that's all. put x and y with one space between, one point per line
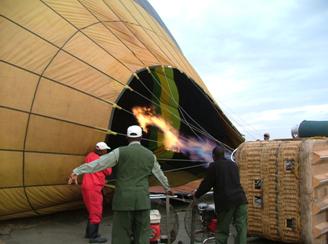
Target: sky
264 61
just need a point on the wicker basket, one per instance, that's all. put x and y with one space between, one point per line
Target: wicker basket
286 183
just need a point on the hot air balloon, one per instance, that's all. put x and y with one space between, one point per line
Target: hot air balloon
71 73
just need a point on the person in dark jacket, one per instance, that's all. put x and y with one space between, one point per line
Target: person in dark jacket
229 197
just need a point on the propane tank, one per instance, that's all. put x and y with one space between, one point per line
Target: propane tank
310 128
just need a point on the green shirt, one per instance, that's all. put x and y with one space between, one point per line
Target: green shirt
111 159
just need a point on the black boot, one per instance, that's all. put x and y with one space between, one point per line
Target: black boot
87 231
93 234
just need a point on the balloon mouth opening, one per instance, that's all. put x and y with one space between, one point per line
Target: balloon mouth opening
175 97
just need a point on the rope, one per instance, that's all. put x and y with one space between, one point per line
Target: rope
184 122
180 108
201 130
188 167
114 79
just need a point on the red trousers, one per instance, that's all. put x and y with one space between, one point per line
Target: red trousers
93 200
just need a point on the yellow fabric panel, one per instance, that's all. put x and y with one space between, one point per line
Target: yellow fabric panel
123 33
45 169
12 129
145 30
170 54
11 164
17 87
96 52
185 65
61 207
70 71
13 200
100 10
17 215
191 72
129 39
176 57
53 209
48 196
120 11
134 11
58 101
37 17
161 45
22 48
50 135
106 39
161 58
151 45
95 55
168 45
73 12
164 40
154 25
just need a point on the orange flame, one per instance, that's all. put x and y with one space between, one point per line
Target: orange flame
195 149
146 117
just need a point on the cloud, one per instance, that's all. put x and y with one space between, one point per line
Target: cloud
318 111
265 62
275 122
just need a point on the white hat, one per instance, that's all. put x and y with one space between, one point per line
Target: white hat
102 146
134 131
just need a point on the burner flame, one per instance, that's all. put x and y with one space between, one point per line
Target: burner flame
196 149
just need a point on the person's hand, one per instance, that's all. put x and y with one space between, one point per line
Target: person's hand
73 179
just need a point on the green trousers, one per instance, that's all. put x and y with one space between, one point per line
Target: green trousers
238 217
131 227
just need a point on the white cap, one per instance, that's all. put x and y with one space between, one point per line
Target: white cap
134 131
102 146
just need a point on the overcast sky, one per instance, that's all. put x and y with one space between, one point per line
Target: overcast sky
264 61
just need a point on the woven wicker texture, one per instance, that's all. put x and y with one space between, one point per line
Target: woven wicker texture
274 175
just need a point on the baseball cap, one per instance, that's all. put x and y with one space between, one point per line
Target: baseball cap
134 131
102 146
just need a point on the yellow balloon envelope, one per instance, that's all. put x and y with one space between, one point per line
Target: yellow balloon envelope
67 70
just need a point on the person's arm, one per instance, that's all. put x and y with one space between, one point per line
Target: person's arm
107 171
158 173
106 161
207 183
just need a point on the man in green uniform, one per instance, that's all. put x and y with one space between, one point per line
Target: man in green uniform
131 203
